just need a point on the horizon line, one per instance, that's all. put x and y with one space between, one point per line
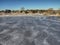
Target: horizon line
31 9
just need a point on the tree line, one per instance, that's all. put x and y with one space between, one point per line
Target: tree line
48 11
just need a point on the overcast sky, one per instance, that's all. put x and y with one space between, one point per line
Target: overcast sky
29 4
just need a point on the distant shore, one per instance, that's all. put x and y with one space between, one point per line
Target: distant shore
48 12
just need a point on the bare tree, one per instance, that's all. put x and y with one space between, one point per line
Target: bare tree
22 9
50 11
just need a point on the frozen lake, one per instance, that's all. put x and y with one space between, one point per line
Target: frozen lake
30 30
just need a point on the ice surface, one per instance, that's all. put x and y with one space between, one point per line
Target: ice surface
30 30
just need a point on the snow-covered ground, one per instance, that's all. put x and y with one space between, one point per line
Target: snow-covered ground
8 15
29 30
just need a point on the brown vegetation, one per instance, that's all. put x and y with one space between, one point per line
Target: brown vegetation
49 11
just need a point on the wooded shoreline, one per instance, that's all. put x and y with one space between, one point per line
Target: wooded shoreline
47 12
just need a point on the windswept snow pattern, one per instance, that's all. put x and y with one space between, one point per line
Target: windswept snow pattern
30 30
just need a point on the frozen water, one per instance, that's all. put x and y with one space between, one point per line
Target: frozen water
30 30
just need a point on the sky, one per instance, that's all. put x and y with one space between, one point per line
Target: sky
29 4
